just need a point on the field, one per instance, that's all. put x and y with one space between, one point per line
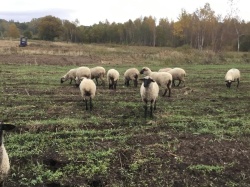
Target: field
200 136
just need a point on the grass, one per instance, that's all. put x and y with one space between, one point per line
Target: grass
197 137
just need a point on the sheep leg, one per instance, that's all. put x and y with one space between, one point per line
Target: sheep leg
145 109
151 109
114 83
165 92
86 104
179 83
91 104
96 81
169 88
135 83
1 184
238 82
173 83
70 81
155 105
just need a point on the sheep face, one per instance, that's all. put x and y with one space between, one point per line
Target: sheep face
228 83
146 81
144 71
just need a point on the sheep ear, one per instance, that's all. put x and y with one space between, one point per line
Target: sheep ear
141 79
7 127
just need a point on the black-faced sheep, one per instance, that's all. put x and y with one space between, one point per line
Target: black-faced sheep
163 79
71 74
98 72
82 72
232 75
149 92
112 77
4 158
131 74
88 90
178 74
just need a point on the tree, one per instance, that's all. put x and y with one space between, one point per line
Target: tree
49 28
13 31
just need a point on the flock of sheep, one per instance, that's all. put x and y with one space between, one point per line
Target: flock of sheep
83 77
149 91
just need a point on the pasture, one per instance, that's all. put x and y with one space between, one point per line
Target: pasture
200 136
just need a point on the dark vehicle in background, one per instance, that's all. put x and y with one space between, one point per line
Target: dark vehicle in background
23 42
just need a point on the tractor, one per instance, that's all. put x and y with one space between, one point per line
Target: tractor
23 42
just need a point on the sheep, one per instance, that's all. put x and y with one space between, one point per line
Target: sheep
98 72
163 79
164 69
149 92
231 76
131 74
87 89
4 158
112 77
82 72
178 74
71 74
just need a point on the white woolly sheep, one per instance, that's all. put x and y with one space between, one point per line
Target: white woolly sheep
164 69
149 92
232 75
87 89
82 72
131 74
71 74
4 158
112 77
98 72
178 74
163 79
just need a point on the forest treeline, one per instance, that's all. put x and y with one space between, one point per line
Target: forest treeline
200 29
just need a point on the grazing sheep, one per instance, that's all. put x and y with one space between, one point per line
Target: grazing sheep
98 72
87 89
232 75
4 158
112 77
131 74
164 69
178 74
82 72
163 79
71 74
149 92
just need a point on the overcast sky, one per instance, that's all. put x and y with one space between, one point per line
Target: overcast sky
92 11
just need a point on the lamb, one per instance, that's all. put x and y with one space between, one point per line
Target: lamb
163 79
149 92
71 74
112 77
82 72
164 69
87 89
232 75
98 72
178 74
131 74
4 158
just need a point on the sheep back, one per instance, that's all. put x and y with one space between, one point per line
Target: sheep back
82 72
232 75
97 72
87 88
164 69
